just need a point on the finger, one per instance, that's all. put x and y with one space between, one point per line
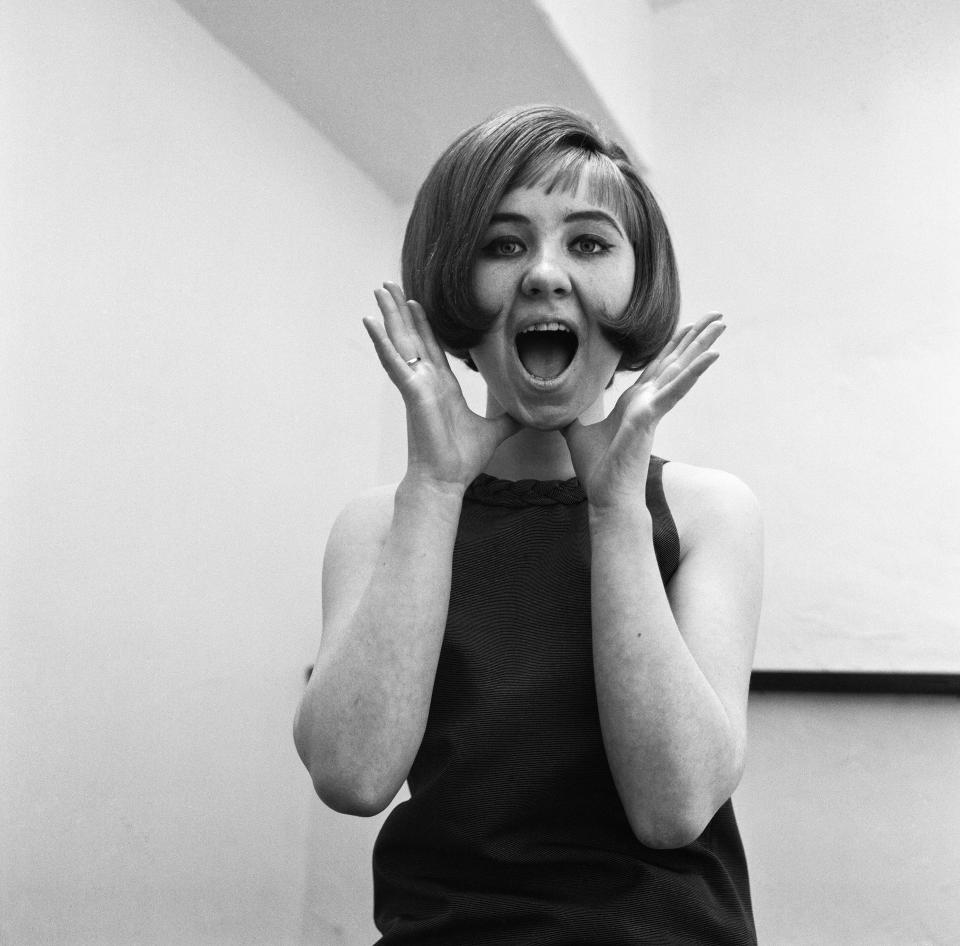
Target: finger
701 343
430 347
679 337
396 328
393 362
700 339
402 304
698 330
682 381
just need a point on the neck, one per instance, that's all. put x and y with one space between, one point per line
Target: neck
535 454
532 455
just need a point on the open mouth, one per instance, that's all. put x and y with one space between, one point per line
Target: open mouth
546 349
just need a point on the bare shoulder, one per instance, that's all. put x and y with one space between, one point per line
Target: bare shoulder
707 504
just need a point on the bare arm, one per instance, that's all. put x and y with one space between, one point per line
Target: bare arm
672 672
386 587
386 580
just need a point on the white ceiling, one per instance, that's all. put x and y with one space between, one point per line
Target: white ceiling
391 82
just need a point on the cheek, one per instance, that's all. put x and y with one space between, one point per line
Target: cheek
490 286
605 359
611 297
608 306
490 356
611 288
622 286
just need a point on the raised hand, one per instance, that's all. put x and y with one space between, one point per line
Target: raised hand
447 443
612 456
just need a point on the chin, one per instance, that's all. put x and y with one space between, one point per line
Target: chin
547 427
547 420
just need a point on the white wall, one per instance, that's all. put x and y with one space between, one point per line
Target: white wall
184 266
808 161
805 156
190 399
850 821
612 43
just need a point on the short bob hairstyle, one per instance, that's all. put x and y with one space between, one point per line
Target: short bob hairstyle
554 148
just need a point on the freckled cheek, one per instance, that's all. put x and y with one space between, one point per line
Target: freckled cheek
608 292
606 306
491 288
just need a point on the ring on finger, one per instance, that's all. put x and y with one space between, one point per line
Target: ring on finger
413 361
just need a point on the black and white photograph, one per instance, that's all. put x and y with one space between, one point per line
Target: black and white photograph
479 473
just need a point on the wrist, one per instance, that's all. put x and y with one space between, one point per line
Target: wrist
417 487
625 512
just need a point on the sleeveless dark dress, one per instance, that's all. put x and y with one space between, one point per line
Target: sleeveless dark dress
514 833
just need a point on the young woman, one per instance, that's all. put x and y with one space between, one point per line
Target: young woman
544 629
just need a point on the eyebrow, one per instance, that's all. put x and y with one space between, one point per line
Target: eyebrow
594 216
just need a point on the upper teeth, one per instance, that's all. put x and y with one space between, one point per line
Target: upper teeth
545 327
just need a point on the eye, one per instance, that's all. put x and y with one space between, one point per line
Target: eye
590 245
504 246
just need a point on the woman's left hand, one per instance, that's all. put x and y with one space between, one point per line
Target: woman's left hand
611 457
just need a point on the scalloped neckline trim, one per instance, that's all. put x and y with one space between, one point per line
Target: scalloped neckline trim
496 492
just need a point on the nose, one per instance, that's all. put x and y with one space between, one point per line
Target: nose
545 276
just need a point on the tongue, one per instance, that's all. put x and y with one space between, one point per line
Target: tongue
544 354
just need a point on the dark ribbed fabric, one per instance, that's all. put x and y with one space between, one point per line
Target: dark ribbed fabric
514 833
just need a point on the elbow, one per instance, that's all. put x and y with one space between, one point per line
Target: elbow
671 829
681 817
345 793
349 799
349 805
674 825
669 832
341 777
676 822
676 811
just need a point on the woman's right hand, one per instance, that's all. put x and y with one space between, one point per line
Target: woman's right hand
448 444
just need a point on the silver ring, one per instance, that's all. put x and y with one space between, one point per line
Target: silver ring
412 361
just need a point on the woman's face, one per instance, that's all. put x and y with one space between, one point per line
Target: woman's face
549 267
